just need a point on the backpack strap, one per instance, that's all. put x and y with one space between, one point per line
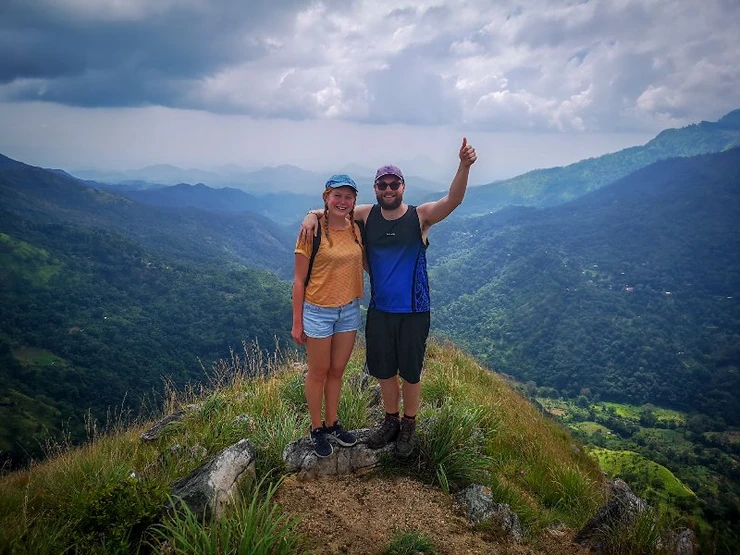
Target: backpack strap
361 227
314 250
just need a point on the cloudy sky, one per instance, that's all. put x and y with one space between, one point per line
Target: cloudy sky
119 84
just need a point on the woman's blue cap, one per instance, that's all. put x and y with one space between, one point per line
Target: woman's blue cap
341 180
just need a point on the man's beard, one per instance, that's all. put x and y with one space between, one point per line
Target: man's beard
389 204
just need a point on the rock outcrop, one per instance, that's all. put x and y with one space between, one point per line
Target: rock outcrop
210 487
477 500
301 460
619 511
156 431
681 542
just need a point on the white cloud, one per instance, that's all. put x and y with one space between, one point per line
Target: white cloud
466 47
551 66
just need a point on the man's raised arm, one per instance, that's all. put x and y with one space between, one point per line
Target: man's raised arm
434 212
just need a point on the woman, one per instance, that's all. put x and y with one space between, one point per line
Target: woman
326 308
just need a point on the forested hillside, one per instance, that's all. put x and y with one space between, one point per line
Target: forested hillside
103 299
629 293
547 187
39 195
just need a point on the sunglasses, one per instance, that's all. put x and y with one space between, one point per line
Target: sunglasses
382 185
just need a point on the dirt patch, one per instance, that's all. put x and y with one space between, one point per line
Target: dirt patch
360 514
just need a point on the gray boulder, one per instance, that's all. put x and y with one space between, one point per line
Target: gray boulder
210 487
619 511
477 500
156 431
301 460
681 542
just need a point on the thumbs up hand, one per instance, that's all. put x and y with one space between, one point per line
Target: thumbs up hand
467 154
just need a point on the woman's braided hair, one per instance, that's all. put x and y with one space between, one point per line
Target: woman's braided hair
352 221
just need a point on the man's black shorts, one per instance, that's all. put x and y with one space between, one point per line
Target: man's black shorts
396 344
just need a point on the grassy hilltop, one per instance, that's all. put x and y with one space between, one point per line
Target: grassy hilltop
108 495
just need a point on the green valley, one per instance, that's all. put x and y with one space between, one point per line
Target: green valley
674 460
630 291
92 321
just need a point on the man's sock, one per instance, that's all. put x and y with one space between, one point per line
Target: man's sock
391 414
407 417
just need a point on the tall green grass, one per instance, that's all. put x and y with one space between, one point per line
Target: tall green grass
451 445
254 527
472 428
410 543
104 496
644 535
272 434
354 410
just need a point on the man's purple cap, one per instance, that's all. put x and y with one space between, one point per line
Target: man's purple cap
389 170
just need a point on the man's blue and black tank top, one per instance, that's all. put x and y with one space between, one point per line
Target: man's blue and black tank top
396 255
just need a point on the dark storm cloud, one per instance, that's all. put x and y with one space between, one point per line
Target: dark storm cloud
83 54
546 64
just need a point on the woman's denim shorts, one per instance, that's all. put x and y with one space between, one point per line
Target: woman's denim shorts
320 322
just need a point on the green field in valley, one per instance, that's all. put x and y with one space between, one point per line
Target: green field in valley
633 467
683 464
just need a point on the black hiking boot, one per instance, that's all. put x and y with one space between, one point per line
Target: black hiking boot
385 433
406 437
340 435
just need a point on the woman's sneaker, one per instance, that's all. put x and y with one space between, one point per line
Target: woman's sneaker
340 435
321 445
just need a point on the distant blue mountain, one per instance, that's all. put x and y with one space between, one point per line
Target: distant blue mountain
547 187
6 162
283 208
265 181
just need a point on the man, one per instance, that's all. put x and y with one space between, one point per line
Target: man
398 316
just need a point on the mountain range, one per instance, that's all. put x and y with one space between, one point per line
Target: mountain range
546 187
616 292
284 193
268 180
630 291
614 279
43 196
